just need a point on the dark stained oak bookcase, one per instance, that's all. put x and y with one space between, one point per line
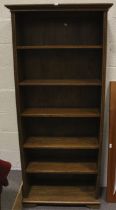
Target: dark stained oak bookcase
59 65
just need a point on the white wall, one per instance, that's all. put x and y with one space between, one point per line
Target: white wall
9 147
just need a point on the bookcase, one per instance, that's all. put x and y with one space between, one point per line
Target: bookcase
59 66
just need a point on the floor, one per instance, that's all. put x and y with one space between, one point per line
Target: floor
9 193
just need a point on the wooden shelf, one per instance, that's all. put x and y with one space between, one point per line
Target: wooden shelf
62 167
60 112
60 82
59 47
61 143
64 195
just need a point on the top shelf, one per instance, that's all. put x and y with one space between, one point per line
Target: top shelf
20 47
60 7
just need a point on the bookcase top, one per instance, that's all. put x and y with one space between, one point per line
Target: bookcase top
61 7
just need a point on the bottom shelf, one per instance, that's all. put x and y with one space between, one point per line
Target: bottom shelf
62 195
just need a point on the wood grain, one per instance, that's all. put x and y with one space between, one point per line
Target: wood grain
60 82
111 179
62 195
60 47
60 112
61 143
66 167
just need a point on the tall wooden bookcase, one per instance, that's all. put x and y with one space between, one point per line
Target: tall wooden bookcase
59 65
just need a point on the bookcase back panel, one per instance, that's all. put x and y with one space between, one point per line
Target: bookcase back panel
62 155
66 96
57 27
63 179
60 64
61 126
